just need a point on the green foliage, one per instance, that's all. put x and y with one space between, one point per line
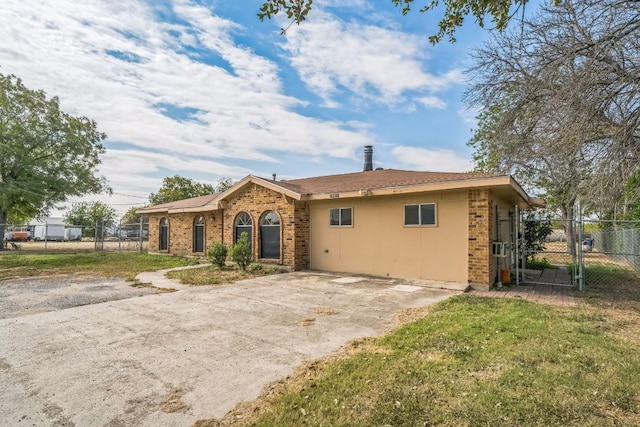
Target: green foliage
130 216
240 252
224 184
217 253
629 203
178 188
498 12
537 227
46 155
255 267
535 263
87 214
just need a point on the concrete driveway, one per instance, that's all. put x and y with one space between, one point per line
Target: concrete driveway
171 359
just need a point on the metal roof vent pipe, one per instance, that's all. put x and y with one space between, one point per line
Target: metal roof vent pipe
368 158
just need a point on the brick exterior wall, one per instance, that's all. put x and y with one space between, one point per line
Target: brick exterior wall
480 222
181 232
294 223
302 259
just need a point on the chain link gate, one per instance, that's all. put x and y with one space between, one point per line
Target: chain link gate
556 261
578 252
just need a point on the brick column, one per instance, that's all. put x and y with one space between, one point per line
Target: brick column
479 266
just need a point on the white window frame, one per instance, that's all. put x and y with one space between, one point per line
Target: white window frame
340 217
420 223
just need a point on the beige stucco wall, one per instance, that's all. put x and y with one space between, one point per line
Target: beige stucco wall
380 244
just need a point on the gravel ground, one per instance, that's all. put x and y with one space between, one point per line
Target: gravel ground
22 297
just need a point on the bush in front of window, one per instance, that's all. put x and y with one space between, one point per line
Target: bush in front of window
217 254
240 252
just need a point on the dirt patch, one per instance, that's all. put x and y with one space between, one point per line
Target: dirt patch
307 321
326 311
21 297
174 403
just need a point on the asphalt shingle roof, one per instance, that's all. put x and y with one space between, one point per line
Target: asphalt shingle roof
385 178
183 204
370 180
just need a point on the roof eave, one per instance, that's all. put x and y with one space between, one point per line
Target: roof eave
418 188
250 179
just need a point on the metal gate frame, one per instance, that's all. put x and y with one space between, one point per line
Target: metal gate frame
577 269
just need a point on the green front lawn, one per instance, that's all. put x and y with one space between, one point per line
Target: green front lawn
97 264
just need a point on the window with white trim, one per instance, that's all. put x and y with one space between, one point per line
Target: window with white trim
420 214
341 217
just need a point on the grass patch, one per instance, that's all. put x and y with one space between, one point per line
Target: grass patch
212 275
535 263
137 284
470 361
96 264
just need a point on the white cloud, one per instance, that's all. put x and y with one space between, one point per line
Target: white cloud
115 62
432 102
240 107
438 160
377 63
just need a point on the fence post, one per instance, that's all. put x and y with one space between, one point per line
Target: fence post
120 236
140 234
580 274
46 234
517 244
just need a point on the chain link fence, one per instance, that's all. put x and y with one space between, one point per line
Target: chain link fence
611 252
601 253
54 237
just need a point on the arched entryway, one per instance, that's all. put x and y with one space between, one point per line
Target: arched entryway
243 223
198 235
270 236
164 234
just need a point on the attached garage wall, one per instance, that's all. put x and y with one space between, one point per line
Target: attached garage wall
379 243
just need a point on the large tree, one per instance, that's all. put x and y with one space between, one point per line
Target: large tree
46 155
560 102
498 12
130 216
177 188
88 215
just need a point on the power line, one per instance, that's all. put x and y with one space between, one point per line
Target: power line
130 195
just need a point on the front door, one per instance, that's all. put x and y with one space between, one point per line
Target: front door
270 236
198 235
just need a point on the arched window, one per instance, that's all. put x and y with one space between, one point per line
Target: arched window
270 235
164 234
198 234
243 223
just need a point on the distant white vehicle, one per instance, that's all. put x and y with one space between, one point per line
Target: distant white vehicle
48 232
73 233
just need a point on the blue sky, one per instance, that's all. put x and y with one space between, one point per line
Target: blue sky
205 90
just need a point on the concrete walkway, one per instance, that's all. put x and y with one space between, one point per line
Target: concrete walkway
159 278
542 294
551 276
